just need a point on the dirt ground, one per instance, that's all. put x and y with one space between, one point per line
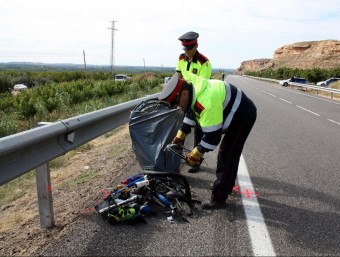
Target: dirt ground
78 185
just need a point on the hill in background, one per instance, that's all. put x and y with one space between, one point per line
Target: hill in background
323 54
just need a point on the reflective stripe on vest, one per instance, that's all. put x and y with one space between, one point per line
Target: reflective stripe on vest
227 99
212 128
233 110
208 146
189 121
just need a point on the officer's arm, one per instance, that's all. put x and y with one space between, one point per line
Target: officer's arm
209 141
188 122
184 130
211 122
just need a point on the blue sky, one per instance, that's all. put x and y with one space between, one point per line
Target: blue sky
57 31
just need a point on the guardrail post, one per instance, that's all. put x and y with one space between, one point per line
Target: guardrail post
44 191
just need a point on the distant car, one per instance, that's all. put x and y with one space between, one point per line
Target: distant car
327 82
166 79
19 87
122 77
286 82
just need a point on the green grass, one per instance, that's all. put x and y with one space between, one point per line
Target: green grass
14 189
17 187
82 178
335 85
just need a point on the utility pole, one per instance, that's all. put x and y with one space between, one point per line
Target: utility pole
85 65
112 45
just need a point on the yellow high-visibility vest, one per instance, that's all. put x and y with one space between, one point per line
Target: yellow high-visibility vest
200 66
207 104
213 105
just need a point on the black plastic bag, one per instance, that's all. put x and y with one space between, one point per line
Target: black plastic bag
153 125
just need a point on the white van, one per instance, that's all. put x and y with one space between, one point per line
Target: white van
122 77
19 87
166 79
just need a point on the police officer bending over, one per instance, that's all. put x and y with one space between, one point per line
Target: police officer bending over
226 116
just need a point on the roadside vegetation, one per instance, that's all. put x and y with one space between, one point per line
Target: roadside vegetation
312 75
58 95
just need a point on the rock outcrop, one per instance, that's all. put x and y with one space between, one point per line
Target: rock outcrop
302 55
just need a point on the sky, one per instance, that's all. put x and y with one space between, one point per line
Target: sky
147 31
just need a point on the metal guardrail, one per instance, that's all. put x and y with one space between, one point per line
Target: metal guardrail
33 149
307 86
317 88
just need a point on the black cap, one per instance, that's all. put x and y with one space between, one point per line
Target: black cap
189 40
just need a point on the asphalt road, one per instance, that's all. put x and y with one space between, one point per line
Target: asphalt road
293 159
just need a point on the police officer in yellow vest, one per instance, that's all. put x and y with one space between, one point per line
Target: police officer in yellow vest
226 116
190 63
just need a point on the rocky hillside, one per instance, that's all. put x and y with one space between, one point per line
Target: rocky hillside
302 55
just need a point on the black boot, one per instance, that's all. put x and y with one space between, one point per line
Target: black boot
213 204
194 169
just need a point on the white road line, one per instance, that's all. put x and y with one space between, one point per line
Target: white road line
285 100
308 110
334 121
260 239
271 94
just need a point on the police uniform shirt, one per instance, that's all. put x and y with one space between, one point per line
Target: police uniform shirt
200 66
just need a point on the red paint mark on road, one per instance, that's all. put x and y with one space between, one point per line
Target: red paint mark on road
236 190
106 193
87 211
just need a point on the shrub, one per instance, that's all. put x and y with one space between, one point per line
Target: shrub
25 105
8 124
6 103
5 84
313 75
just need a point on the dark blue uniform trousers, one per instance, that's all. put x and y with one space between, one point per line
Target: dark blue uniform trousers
231 147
